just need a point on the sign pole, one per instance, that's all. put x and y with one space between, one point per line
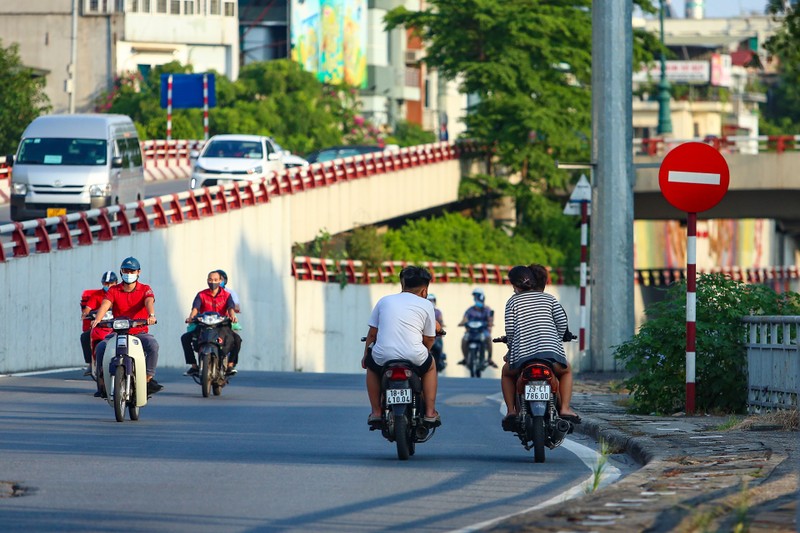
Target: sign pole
169 108
584 254
205 107
691 309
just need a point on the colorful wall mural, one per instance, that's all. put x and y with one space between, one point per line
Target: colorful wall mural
329 37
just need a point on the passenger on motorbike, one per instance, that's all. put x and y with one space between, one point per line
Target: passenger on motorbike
90 301
438 345
535 325
237 339
135 300
479 311
403 326
214 299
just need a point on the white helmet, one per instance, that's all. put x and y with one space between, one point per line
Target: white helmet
431 297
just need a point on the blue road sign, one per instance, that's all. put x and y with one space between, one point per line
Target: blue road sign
187 91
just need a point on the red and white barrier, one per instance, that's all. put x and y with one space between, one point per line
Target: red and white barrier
655 146
5 181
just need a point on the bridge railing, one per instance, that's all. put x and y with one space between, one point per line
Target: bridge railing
21 239
167 153
654 146
773 362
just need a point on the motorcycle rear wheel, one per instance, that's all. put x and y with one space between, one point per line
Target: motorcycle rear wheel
402 437
536 430
119 395
205 375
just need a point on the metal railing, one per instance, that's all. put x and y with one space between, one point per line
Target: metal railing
654 146
773 362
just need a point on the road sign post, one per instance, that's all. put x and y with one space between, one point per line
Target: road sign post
579 202
693 177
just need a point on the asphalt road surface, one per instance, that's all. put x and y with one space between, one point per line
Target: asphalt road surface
274 452
152 188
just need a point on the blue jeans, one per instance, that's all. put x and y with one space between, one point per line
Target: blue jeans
149 345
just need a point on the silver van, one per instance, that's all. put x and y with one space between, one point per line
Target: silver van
68 163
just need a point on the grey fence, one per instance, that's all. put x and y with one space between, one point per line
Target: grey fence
773 362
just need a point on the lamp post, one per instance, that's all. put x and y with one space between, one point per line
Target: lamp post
664 113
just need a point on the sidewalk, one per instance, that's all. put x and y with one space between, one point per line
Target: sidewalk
698 475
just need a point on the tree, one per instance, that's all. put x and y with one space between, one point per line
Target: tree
782 113
22 98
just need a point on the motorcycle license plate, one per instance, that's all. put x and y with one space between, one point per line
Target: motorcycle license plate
395 396
537 393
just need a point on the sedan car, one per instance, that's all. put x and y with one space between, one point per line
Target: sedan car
339 152
227 158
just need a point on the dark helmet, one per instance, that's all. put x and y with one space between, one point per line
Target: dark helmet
130 263
223 275
109 277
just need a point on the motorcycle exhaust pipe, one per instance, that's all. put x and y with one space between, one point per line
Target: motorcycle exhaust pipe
561 430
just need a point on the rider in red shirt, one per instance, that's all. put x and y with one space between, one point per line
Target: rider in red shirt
91 300
214 299
134 300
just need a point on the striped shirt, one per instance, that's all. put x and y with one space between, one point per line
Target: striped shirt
535 326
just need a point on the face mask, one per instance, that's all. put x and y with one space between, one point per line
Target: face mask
130 278
222 284
213 286
106 287
478 303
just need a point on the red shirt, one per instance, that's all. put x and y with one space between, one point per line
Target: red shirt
91 298
130 304
205 301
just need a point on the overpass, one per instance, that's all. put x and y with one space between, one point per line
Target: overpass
248 229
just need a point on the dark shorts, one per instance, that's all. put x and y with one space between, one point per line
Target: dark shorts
378 369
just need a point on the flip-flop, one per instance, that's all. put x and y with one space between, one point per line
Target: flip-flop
374 420
509 422
575 419
434 421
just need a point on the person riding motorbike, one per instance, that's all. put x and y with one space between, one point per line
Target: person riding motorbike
135 300
237 339
91 300
403 326
479 311
437 351
535 323
214 299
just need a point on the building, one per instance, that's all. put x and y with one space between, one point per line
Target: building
81 46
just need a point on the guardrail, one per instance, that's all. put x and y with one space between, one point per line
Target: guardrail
654 146
773 362
21 239
166 153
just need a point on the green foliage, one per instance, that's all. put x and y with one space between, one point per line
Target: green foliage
655 357
783 108
366 245
22 98
410 134
454 237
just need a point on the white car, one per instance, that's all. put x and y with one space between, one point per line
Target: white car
227 158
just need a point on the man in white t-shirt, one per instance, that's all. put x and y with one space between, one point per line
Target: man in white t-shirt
403 326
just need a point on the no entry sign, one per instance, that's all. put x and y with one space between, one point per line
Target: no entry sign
694 177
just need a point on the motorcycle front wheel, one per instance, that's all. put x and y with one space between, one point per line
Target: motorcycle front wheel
205 375
119 393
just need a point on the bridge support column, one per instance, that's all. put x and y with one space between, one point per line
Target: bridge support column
611 251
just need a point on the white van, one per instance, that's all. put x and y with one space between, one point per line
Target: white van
68 163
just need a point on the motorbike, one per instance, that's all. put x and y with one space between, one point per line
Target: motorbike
212 362
94 339
403 408
538 401
125 368
439 357
476 349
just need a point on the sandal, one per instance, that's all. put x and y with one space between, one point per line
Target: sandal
374 420
433 421
509 422
575 419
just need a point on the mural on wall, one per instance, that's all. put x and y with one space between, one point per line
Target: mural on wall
720 243
329 37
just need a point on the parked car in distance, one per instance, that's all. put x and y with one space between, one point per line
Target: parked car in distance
226 158
339 152
68 163
291 160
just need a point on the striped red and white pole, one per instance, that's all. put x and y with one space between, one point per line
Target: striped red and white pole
169 107
584 254
205 107
691 309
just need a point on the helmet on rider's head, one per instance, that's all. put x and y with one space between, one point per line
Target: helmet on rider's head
432 297
224 277
478 295
130 263
109 277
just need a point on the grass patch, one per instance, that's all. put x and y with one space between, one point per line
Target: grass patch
597 471
787 420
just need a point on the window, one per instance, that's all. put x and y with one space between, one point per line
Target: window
119 6
213 7
78 152
230 9
188 7
135 152
133 6
145 6
161 6
175 7
94 6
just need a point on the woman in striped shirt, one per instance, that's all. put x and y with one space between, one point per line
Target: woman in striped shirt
535 326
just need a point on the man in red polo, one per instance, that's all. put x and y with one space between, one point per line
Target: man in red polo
134 300
214 299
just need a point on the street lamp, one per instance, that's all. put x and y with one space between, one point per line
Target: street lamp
664 113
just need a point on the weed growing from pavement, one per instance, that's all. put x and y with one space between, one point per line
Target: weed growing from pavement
741 509
730 423
597 471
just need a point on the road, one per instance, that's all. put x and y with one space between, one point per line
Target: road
275 452
152 188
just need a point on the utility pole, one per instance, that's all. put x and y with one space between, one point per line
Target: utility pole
664 112
73 58
611 252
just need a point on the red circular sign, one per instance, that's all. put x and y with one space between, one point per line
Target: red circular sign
694 177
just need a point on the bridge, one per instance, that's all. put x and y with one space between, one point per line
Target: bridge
249 229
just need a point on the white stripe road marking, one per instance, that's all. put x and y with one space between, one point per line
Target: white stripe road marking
697 178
